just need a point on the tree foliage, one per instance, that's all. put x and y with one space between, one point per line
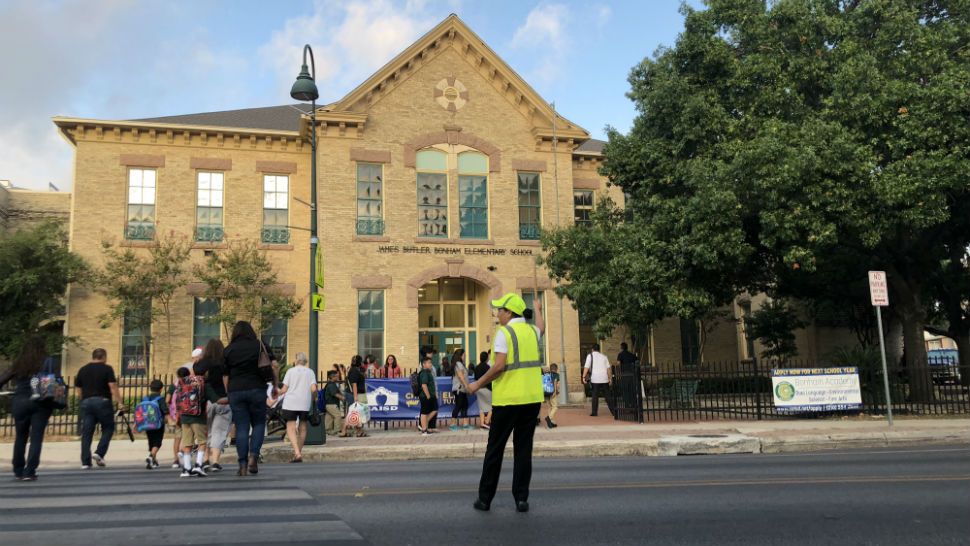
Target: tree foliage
774 325
243 279
36 267
780 142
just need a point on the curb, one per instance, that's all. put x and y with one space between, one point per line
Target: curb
666 446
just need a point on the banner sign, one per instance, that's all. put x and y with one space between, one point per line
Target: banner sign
816 389
392 399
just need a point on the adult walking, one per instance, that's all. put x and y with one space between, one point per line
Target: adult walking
516 377
599 374
218 416
246 385
30 416
358 392
97 387
300 388
459 388
484 394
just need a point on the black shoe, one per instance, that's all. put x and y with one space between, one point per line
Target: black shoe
481 505
521 506
549 422
29 478
253 465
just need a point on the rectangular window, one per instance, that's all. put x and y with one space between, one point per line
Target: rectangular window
208 212
690 342
582 206
530 209
276 199
370 209
274 337
432 180
141 205
136 338
205 325
370 323
528 296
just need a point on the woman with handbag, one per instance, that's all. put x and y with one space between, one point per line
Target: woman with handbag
248 366
30 413
300 388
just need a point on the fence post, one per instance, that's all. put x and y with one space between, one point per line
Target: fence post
757 379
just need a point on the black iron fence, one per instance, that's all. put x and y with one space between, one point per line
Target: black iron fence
743 390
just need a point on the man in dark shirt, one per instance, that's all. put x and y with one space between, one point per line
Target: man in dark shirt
627 380
96 386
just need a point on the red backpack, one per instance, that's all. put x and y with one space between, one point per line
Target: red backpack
190 395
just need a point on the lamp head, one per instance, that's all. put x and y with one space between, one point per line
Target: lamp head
304 88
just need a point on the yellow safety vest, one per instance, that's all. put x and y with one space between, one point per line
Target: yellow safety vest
521 382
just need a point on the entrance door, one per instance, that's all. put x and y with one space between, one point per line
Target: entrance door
444 343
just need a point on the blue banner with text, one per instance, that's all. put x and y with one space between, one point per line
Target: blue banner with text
392 399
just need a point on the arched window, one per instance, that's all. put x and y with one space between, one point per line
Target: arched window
432 180
473 195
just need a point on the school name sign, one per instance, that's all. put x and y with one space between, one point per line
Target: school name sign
816 389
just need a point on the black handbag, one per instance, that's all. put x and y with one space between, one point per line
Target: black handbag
314 417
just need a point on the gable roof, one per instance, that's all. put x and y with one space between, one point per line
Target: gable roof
453 32
279 118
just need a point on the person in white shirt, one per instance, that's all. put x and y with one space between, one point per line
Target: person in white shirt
299 390
599 374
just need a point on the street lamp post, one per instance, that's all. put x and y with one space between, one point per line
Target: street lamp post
305 89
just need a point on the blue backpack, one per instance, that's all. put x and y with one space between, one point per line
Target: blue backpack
148 414
548 387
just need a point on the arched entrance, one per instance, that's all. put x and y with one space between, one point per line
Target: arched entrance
452 304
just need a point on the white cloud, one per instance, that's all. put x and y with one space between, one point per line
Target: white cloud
350 40
545 34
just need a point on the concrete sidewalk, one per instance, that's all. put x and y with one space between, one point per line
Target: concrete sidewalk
577 436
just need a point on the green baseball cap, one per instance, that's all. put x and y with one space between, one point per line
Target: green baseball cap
511 301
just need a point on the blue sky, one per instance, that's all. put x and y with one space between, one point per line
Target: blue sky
124 59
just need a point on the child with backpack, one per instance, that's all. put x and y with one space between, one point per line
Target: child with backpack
550 388
150 419
191 397
334 418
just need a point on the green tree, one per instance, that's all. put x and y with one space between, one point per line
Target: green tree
775 134
36 268
774 325
243 280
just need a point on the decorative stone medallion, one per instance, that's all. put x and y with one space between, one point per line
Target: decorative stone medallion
451 94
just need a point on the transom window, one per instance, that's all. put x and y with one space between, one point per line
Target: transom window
208 220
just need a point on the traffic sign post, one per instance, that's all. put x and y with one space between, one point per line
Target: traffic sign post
879 294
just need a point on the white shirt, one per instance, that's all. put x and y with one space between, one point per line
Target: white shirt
298 380
502 346
600 365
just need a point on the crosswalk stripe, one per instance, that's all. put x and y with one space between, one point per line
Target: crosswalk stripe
122 507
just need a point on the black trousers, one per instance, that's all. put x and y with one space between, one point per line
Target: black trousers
30 421
520 423
602 389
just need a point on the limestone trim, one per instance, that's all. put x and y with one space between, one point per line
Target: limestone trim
371 239
280 167
452 267
370 282
210 163
370 156
453 135
195 289
266 246
587 184
76 128
453 241
529 283
141 160
535 165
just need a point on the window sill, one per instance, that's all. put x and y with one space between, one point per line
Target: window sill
208 245
371 239
136 244
272 246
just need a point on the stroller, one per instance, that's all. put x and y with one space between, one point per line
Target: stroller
275 424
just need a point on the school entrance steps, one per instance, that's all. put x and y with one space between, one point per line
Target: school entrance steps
127 506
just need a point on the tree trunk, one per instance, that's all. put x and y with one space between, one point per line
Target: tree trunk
963 345
912 314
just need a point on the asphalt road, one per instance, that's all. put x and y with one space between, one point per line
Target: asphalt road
872 497
899 497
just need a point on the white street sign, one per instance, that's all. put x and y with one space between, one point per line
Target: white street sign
878 289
